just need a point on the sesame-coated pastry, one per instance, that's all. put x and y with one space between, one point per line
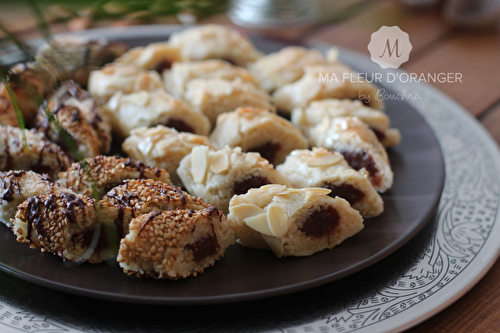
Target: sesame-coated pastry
18 186
136 197
175 244
106 172
359 145
214 41
155 56
30 83
308 117
74 227
258 130
292 222
181 73
323 81
215 176
216 96
150 108
43 156
322 168
162 147
73 57
105 82
76 113
276 69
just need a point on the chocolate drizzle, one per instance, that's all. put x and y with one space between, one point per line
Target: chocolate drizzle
34 217
136 165
149 219
72 201
179 191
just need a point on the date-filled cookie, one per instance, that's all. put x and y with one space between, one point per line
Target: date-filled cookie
150 108
258 130
292 222
175 244
213 41
322 168
308 117
215 176
155 56
162 147
359 145
323 81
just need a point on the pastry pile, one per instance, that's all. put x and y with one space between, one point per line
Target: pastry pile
208 155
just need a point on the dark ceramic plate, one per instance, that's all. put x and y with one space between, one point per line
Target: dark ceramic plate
244 273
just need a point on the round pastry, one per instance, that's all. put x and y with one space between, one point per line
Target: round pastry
155 56
216 96
181 73
18 186
102 173
322 168
292 222
258 130
150 108
214 41
42 156
276 69
30 83
359 145
175 244
76 113
311 115
73 57
105 82
136 197
323 81
215 176
69 225
162 147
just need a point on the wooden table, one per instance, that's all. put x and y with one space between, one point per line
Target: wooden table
437 47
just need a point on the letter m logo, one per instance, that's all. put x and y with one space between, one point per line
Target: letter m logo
391 50
390 47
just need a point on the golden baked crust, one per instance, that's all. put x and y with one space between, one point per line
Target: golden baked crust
155 56
106 172
175 244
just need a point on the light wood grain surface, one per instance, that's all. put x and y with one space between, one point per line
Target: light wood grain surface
437 47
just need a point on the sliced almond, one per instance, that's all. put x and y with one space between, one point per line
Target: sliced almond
243 211
275 245
319 190
199 156
319 151
274 188
278 221
252 157
259 223
220 162
324 160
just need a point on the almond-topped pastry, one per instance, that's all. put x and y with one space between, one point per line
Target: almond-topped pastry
69 225
155 56
308 117
75 112
73 57
323 81
276 69
214 41
42 156
150 108
216 96
30 83
361 149
215 176
126 78
322 168
258 130
181 73
292 222
102 173
18 186
175 244
136 197
162 147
